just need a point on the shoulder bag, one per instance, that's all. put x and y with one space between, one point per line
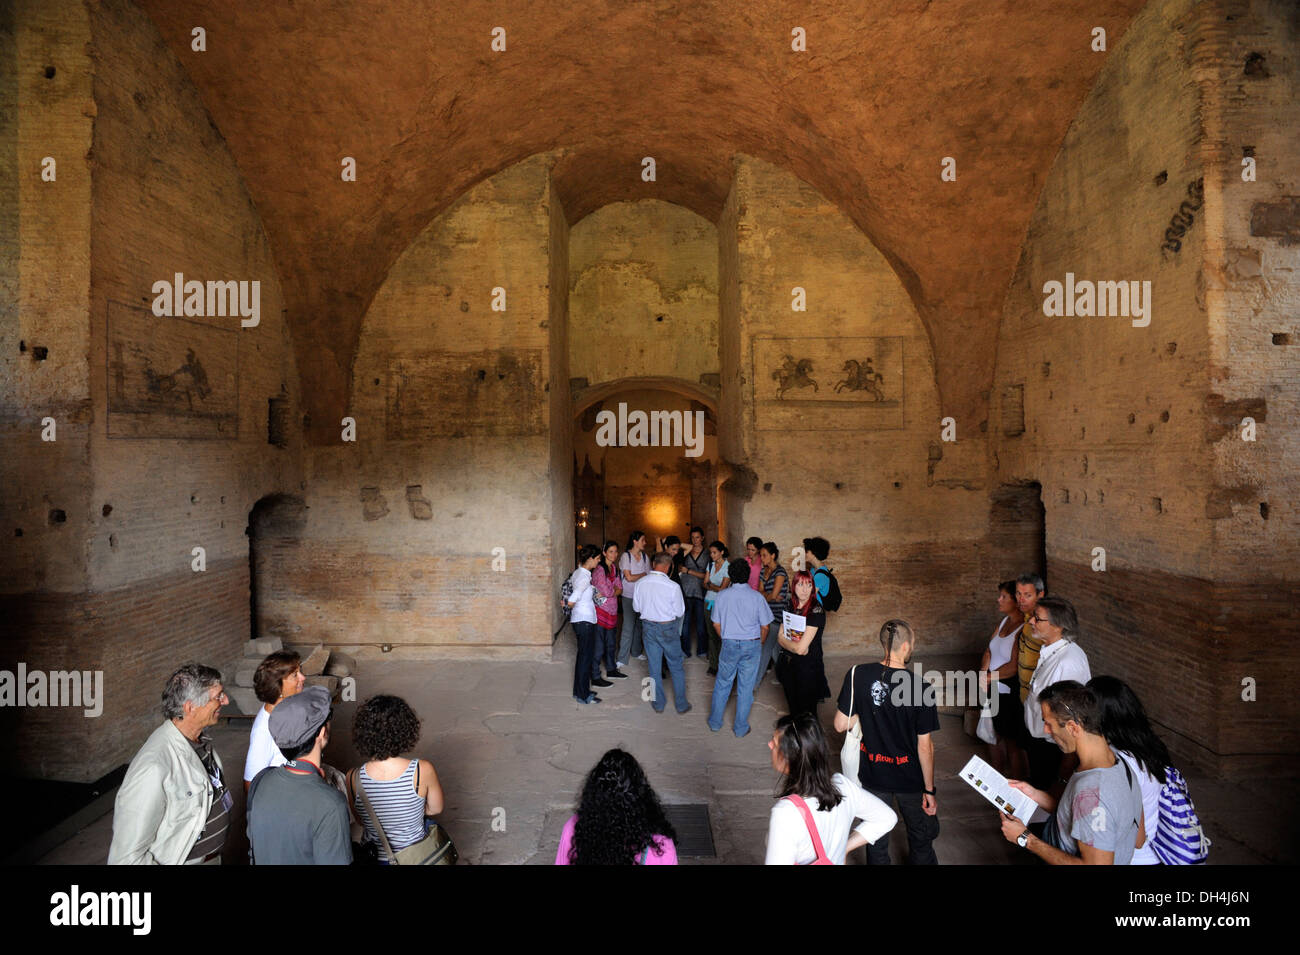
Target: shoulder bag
822 857
851 752
436 848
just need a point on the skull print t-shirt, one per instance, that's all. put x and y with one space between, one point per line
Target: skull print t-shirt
895 707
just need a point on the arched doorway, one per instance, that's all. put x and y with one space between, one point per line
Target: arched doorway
645 458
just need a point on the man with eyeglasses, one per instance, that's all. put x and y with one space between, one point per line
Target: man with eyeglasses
1098 820
1055 624
173 807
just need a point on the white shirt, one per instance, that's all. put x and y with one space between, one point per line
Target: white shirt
658 599
1063 660
788 840
1150 809
629 566
584 606
262 751
1000 649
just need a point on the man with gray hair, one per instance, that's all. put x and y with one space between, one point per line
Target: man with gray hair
1056 626
173 806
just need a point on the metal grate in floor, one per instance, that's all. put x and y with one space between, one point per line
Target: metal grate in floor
694 832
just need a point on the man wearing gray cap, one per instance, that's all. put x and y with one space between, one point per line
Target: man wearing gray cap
294 816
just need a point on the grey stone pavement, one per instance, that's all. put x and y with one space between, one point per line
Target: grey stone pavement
512 749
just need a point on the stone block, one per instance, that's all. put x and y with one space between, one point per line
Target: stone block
313 663
341 664
244 700
330 683
244 673
261 647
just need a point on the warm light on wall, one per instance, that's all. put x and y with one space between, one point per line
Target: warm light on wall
583 515
661 512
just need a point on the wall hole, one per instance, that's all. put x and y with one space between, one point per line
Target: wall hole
40 352
106 510
1281 338
57 516
1263 509
49 72
1162 177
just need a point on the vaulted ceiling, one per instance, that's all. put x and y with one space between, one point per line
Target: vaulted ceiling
412 89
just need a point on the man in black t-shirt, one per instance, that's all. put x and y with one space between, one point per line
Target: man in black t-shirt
897 716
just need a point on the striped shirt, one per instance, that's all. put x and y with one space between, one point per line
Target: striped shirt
213 837
765 584
399 805
1028 648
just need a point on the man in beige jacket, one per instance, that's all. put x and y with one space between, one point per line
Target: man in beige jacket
173 807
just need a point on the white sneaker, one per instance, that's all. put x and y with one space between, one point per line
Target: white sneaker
619 664
641 656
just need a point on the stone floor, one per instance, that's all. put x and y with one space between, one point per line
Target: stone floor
512 749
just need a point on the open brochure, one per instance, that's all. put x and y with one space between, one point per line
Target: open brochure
993 786
795 624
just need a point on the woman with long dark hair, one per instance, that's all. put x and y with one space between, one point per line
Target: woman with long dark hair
799 664
583 618
774 585
1125 725
811 801
634 565
608 581
619 821
717 581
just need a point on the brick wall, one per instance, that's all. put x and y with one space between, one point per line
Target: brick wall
138 636
1135 432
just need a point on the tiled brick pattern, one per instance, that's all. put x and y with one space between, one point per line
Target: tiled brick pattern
138 636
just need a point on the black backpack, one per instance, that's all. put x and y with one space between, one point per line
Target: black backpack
833 597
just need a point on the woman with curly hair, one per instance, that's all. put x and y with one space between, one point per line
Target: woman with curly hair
404 792
619 820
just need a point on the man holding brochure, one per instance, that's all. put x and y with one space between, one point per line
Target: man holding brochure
1098 820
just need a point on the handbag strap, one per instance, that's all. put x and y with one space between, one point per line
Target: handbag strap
374 818
812 826
853 689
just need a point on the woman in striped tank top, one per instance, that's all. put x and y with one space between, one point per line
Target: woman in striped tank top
404 791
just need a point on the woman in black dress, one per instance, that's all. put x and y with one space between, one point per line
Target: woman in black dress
799 664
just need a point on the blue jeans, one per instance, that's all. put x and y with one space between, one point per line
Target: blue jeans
582 665
769 648
630 637
661 643
737 664
695 626
606 643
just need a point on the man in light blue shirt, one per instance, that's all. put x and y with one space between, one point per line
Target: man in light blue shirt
658 602
741 617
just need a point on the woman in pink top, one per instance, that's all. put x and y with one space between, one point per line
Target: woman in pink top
755 563
619 820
